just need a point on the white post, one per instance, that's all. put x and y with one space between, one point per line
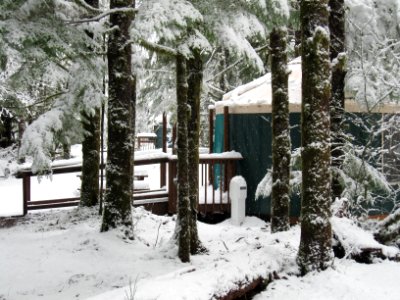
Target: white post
238 194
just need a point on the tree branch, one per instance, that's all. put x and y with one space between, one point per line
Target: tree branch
259 49
160 49
87 6
104 14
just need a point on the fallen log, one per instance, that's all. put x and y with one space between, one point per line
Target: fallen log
389 229
249 289
351 241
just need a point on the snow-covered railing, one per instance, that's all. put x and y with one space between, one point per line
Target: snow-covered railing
215 172
145 141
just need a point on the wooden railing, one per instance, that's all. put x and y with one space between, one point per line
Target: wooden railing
145 143
215 172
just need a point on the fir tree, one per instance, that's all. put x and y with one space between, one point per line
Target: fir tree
184 215
338 57
281 149
195 80
121 90
90 149
315 251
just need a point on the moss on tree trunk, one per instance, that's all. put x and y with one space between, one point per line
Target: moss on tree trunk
183 220
121 90
315 251
281 149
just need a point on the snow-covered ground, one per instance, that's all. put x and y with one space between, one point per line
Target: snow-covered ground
347 280
61 254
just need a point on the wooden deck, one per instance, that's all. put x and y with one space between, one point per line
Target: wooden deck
215 172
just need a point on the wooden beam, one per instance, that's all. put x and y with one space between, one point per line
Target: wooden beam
163 166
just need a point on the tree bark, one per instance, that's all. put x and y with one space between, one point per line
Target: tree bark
90 159
183 219
315 251
90 149
338 58
121 91
281 149
195 80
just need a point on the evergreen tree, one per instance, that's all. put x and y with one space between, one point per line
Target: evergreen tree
50 71
338 57
121 90
315 251
281 149
184 214
195 80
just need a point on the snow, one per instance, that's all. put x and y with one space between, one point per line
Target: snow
347 280
146 134
259 91
62 255
224 155
353 238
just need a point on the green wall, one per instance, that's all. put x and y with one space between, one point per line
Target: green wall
250 134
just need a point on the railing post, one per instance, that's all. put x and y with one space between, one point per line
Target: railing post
226 144
163 166
173 139
26 191
172 193
211 139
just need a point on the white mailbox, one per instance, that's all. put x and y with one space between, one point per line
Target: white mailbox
238 194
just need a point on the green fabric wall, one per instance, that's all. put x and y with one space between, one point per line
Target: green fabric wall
250 134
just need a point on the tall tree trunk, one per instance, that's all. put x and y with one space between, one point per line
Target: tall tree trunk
338 58
195 80
121 91
91 159
315 251
90 149
183 223
281 149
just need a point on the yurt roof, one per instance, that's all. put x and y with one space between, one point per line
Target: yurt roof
256 96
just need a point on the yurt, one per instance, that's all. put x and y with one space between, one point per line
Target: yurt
245 114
